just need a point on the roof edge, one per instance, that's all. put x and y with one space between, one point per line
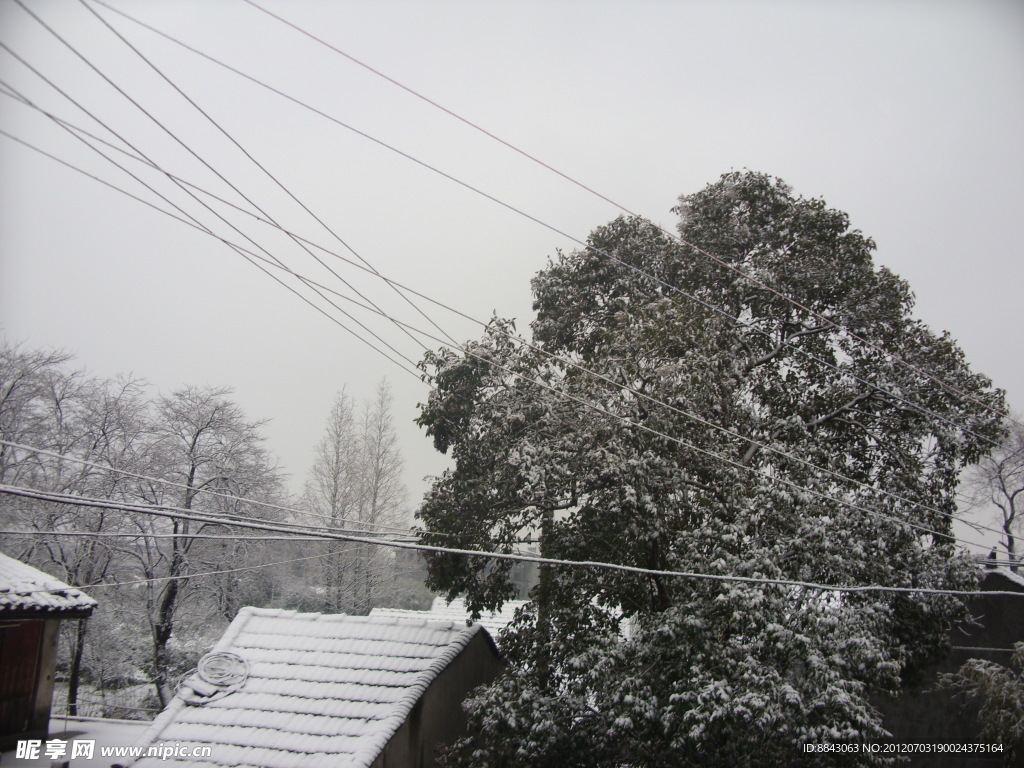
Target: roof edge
390 725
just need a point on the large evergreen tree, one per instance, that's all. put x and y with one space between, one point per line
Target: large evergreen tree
727 431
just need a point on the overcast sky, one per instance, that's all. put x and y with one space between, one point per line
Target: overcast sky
907 115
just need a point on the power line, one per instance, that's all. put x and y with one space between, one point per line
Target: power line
271 176
115 535
580 401
721 262
606 379
205 491
675 408
187 576
258 165
172 135
636 392
177 513
248 255
753 328
194 222
752 580
671 572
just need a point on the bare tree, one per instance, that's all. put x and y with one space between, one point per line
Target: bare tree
83 426
332 493
74 434
355 483
384 495
202 442
111 432
27 380
998 479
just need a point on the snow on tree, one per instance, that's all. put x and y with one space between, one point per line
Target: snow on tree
727 431
202 441
109 440
998 691
356 484
998 479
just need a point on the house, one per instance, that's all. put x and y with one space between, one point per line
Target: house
283 689
32 606
442 610
928 714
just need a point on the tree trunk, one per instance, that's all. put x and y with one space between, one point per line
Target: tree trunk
75 672
545 587
161 635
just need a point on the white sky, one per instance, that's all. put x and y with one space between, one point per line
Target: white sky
907 115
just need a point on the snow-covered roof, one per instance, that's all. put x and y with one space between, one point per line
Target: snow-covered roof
1006 573
495 623
24 588
318 690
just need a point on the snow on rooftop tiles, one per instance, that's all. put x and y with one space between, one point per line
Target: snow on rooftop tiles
320 690
24 588
456 611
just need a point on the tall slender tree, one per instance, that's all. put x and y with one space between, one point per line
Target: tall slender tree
356 483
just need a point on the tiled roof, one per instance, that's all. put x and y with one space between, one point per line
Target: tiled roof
321 690
456 611
24 588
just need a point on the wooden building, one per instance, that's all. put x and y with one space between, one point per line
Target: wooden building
32 606
285 689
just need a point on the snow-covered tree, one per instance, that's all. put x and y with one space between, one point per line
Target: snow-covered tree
727 431
998 692
201 442
74 418
356 484
109 440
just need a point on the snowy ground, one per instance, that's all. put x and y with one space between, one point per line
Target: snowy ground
106 733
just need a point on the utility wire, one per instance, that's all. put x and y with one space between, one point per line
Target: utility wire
623 387
718 260
755 329
778 480
262 168
114 535
407 534
755 580
196 223
271 176
544 385
770 581
690 415
179 141
205 491
187 576
177 513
